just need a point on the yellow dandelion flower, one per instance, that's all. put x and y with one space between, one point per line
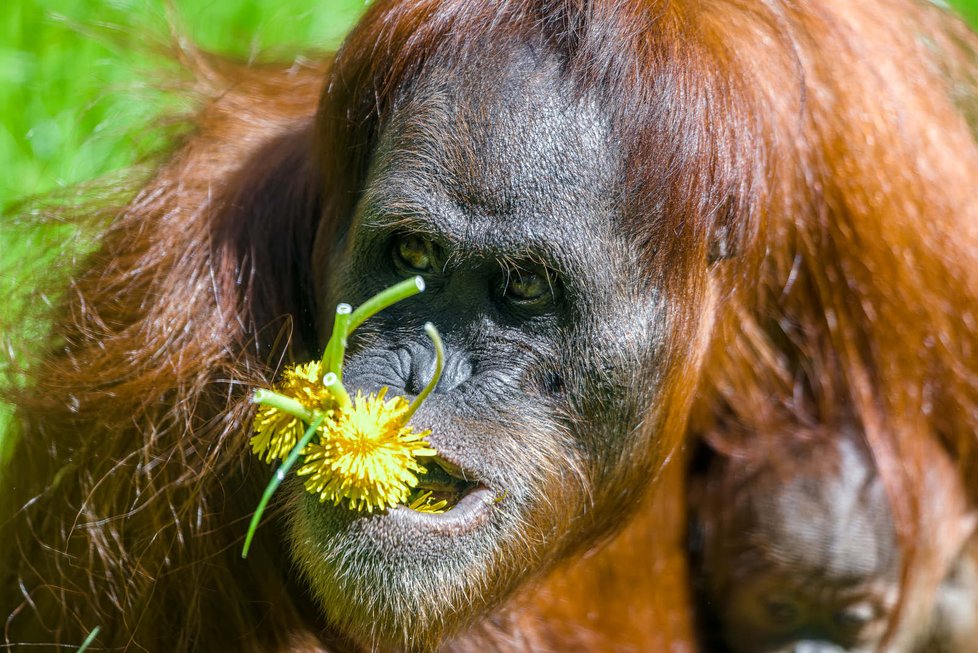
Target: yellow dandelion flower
277 431
367 455
304 383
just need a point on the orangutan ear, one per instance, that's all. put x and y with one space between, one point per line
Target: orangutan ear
722 246
967 526
726 234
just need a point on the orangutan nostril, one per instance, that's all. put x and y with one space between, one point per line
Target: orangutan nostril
458 369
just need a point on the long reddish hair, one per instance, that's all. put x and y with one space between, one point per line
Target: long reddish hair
817 154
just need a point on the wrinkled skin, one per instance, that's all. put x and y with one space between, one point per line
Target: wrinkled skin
503 197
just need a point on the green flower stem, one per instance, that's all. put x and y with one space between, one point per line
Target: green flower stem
336 388
88 640
432 332
282 403
336 347
279 476
383 299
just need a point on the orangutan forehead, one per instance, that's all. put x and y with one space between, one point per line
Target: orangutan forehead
845 528
513 158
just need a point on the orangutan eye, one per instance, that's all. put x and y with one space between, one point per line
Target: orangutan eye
780 609
852 619
414 253
529 286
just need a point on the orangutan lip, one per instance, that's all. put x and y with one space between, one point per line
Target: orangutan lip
471 511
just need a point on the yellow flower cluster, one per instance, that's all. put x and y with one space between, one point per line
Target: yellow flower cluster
368 457
277 431
365 454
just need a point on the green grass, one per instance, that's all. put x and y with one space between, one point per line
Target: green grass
75 103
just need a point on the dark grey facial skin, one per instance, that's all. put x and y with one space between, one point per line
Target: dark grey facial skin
504 173
823 564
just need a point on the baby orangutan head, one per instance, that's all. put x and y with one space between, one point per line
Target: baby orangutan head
800 552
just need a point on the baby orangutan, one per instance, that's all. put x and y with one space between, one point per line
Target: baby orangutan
796 551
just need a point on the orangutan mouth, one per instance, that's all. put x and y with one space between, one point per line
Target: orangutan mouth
468 502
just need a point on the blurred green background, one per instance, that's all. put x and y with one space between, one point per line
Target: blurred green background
69 70
78 99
